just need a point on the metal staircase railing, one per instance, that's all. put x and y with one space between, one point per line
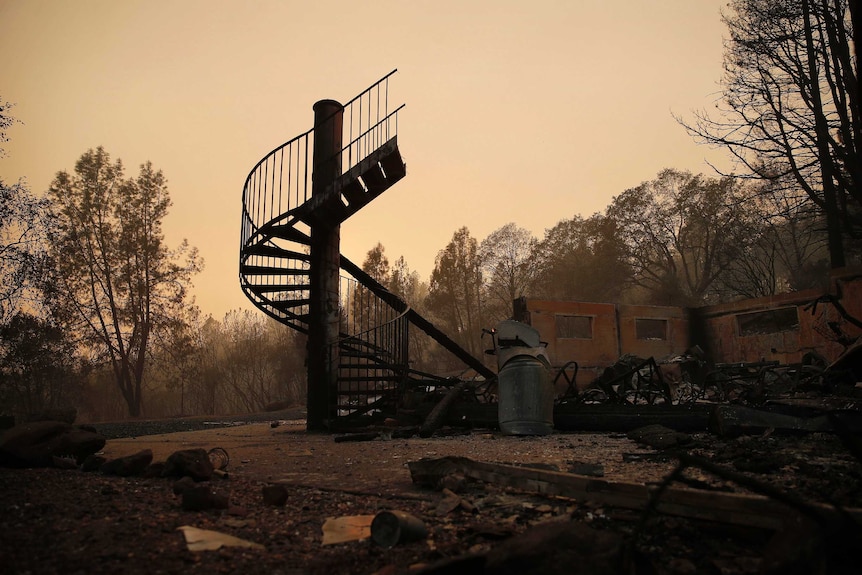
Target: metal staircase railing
278 211
274 254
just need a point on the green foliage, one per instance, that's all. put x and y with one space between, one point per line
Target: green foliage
786 250
376 264
406 284
455 290
38 364
6 122
581 259
121 282
249 361
681 233
509 268
39 367
22 257
22 250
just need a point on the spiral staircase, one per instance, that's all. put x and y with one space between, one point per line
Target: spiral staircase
279 213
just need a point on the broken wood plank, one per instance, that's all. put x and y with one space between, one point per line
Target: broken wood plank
731 508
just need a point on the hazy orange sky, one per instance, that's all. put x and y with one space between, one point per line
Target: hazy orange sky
524 112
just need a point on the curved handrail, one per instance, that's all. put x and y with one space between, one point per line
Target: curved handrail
272 153
261 185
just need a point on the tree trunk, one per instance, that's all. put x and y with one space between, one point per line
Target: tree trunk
856 21
821 127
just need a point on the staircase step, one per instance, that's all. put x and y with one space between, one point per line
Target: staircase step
364 379
287 316
275 252
300 318
355 193
276 288
358 345
374 180
374 353
369 366
323 208
285 304
331 213
354 409
251 270
355 356
393 166
288 232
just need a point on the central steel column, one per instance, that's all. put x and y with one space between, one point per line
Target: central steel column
325 264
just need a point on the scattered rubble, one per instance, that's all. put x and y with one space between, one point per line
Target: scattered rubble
733 508
768 499
553 548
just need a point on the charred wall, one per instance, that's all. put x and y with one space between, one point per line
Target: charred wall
784 327
779 328
595 335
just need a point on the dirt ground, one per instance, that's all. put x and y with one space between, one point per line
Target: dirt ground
69 521
287 454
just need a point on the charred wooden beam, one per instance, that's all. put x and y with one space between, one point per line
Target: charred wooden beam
735 420
732 508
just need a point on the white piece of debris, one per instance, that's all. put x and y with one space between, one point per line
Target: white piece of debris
206 540
344 529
